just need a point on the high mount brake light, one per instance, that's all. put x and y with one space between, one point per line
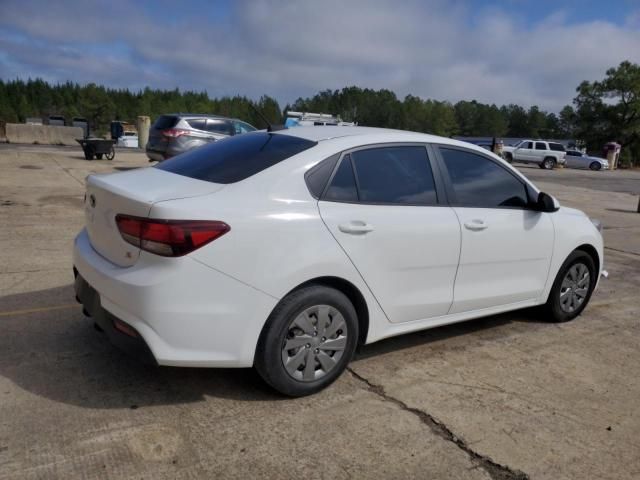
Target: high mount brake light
169 238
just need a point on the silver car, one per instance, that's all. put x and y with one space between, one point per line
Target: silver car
577 159
177 133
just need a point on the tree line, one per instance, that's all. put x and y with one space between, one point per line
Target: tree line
602 111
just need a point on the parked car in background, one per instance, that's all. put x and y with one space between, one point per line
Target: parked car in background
578 159
118 129
285 250
545 154
177 133
128 140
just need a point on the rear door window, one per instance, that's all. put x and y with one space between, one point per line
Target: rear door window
219 126
394 175
541 146
343 184
558 147
236 158
197 123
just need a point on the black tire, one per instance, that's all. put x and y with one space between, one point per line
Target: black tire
269 358
111 154
549 163
99 156
595 166
509 158
553 306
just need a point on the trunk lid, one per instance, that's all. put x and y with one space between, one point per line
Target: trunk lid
131 193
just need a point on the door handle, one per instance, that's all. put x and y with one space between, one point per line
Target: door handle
355 227
476 225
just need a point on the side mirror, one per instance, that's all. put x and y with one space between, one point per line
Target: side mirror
546 203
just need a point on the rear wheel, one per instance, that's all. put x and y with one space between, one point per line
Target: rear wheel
572 287
549 163
595 166
307 341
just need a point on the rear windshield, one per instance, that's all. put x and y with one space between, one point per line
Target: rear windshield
236 158
558 147
165 121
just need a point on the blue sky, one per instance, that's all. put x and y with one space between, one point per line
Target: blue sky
510 51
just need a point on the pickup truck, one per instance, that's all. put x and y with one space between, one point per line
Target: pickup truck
546 154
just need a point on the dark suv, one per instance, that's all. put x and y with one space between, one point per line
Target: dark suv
175 133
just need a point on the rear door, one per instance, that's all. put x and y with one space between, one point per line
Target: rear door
506 247
383 208
541 151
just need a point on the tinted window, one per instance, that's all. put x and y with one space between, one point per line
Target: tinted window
479 182
541 146
400 175
558 147
236 158
242 127
197 123
573 153
343 184
165 121
528 145
219 126
318 176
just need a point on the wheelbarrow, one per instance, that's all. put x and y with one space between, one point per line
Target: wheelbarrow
97 147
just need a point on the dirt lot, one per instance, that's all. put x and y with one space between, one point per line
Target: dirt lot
508 396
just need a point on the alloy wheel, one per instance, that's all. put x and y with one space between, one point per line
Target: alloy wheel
574 288
315 342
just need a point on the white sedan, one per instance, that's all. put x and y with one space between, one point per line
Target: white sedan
285 250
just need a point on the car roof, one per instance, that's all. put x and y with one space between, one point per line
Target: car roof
318 133
196 115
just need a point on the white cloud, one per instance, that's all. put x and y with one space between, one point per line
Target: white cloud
434 49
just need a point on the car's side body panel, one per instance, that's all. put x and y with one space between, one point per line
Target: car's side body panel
506 263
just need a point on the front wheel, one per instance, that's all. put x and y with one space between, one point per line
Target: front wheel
572 288
307 341
595 166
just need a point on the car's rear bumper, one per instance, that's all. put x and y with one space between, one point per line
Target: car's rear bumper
186 313
123 336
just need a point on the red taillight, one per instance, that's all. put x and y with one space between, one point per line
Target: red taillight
174 132
169 238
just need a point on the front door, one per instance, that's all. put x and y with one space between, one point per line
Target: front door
506 247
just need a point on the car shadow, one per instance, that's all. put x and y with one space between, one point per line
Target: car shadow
57 353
